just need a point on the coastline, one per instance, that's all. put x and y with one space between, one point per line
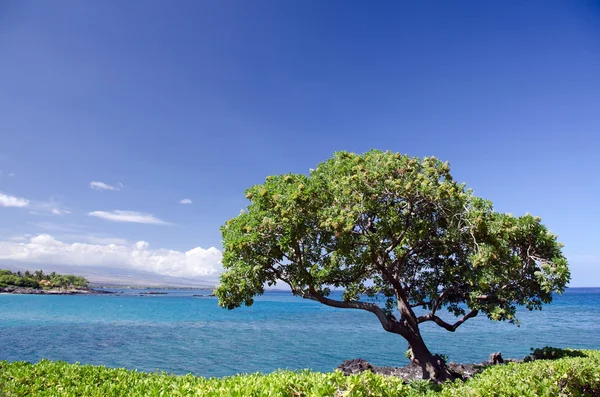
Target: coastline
53 291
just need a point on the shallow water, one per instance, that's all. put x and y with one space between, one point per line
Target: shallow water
180 333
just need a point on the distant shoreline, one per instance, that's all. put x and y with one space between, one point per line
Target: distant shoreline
53 291
151 287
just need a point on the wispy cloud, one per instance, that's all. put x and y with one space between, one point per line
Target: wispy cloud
12 201
47 208
185 201
45 250
58 211
23 237
101 240
12 174
67 228
128 216
96 185
35 207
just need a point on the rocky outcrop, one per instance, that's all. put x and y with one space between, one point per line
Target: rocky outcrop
496 358
413 371
355 366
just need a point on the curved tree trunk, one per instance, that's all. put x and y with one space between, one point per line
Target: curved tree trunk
433 366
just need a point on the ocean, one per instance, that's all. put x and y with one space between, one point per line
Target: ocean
179 333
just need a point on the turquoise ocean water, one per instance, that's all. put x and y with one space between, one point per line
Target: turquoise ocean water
180 333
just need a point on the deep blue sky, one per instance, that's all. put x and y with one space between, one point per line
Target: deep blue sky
199 100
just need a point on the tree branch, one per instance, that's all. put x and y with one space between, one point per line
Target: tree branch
438 301
422 303
401 237
492 298
445 325
387 323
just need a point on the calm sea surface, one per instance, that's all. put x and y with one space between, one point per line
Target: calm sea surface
180 333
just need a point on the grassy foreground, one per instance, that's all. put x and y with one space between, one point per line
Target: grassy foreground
573 376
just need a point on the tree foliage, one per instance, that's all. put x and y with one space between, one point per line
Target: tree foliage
396 229
39 279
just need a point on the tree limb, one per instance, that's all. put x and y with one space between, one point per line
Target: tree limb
422 303
438 301
445 325
387 323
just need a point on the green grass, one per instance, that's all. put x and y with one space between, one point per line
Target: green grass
569 376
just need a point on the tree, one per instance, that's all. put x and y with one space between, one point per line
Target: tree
402 239
61 281
39 275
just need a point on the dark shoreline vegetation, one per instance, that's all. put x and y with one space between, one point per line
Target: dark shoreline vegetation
548 372
39 282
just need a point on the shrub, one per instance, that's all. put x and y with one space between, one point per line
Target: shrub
569 376
552 353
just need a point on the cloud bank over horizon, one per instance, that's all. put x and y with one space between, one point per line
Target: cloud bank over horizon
128 216
43 249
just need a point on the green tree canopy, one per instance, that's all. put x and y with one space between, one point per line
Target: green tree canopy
396 233
33 280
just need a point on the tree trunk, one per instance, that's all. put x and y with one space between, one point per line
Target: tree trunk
433 366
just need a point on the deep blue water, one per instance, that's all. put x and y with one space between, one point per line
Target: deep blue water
179 333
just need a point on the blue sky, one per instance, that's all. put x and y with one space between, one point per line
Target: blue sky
164 101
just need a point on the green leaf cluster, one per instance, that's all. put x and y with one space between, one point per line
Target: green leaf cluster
386 227
551 353
38 279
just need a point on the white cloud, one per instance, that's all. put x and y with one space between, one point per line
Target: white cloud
35 207
102 186
11 201
185 201
141 245
46 250
12 174
128 216
58 211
